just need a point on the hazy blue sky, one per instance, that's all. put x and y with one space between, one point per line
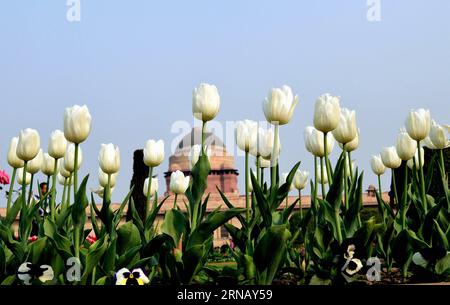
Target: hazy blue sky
135 63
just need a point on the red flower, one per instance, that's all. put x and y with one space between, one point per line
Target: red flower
91 238
4 178
32 238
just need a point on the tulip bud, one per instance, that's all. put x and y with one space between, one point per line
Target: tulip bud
154 153
377 165
205 102
279 106
77 124
283 179
406 147
13 160
438 136
154 187
195 154
20 177
109 158
103 178
178 182
35 164
300 179
57 145
69 159
319 174
346 130
263 163
418 124
327 113
246 135
314 141
427 143
415 160
352 145
390 157
28 145
48 165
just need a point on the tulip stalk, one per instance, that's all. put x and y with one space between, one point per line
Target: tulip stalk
30 190
404 199
149 188
69 191
247 201
274 155
395 187
327 164
175 202
24 184
11 189
53 191
63 199
345 180
379 186
444 176
350 163
300 203
75 171
422 180
322 178
315 190
258 174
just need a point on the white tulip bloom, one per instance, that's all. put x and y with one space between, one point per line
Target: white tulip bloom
346 131
153 188
390 157
103 178
62 170
13 160
28 145
57 145
279 106
34 165
352 145
48 165
438 136
109 158
20 177
300 179
314 141
327 112
377 165
205 102
154 153
69 158
415 160
77 123
246 133
195 154
418 124
406 146
263 163
319 174
178 182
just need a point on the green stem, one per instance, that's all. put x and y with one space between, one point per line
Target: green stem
443 175
77 241
404 199
325 141
422 180
379 187
149 188
247 201
262 176
274 159
322 178
69 191
345 182
75 171
350 164
395 189
314 202
11 189
94 271
24 185
63 199
30 190
53 198
300 203
175 202
258 174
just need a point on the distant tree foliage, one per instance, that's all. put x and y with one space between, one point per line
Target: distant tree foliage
140 173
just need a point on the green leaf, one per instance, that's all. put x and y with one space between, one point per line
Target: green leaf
80 205
443 265
174 225
94 255
119 212
13 212
37 249
61 243
127 237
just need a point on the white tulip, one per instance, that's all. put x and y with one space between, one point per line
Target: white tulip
279 106
20 177
109 158
28 145
154 153
427 143
349 170
57 144
327 112
62 170
406 147
101 191
438 136
418 124
377 165
69 159
48 165
390 157
205 102
300 179
154 186
62 179
250 184
34 165
314 141
346 130
77 123
263 163
178 182
319 174
415 159
283 179
246 133
13 160
352 145
103 178
195 154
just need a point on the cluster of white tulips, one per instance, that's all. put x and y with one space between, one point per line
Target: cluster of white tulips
419 131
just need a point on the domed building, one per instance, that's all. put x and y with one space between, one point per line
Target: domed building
223 171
